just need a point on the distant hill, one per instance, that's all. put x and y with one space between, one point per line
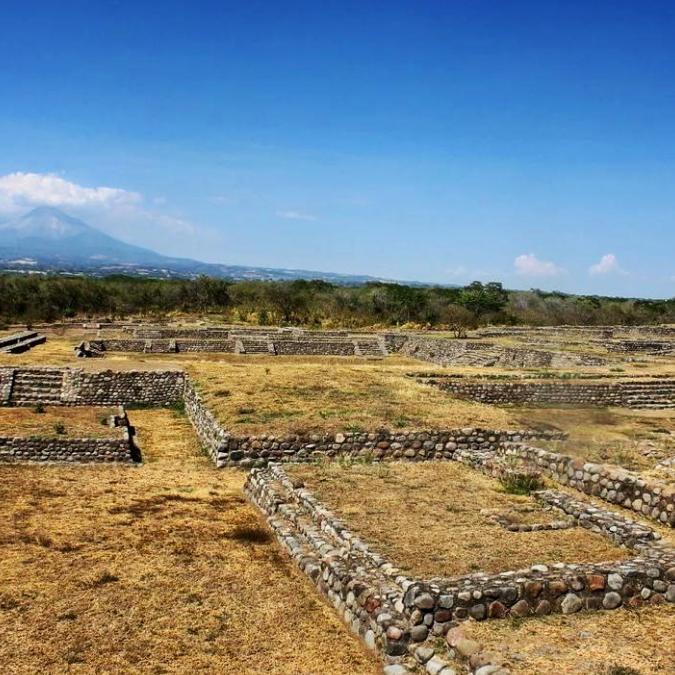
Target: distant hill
48 240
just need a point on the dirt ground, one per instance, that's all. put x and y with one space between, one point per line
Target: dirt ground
432 518
57 421
584 643
160 568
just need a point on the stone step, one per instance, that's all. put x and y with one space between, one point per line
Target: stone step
36 386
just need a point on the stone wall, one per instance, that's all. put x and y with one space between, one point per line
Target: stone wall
6 380
654 500
307 347
363 587
213 437
120 447
76 386
651 393
150 332
588 331
646 346
398 615
278 344
164 346
382 445
108 387
66 449
467 352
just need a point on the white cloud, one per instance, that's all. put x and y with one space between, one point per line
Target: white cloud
528 265
19 191
296 215
608 265
117 212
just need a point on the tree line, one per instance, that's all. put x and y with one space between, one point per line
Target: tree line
38 298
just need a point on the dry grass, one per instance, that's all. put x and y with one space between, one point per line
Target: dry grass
162 568
57 421
633 439
431 519
584 643
287 395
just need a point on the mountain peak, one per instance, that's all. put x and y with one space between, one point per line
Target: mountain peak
50 233
47 221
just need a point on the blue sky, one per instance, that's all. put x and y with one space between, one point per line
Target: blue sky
527 142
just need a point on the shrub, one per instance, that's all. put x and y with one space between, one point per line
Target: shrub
60 428
39 408
520 482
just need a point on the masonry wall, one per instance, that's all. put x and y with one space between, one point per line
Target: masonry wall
649 346
625 394
6 379
393 612
213 437
250 451
285 346
314 347
466 352
654 500
65 450
164 346
108 387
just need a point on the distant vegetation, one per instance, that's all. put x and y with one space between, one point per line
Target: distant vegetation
28 299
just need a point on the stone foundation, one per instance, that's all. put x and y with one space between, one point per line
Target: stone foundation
471 353
75 386
650 393
654 500
393 612
256 451
120 448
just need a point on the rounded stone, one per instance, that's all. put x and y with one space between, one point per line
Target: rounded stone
466 647
611 600
615 581
571 603
477 612
419 633
521 608
424 601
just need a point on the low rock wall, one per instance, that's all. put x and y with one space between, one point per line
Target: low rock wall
624 394
6 380
79 450
393 612
106 387
640 346
119 448
213 437
307 347
164 346
109 387
652 500
471 353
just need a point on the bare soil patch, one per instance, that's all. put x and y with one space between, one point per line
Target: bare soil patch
432 518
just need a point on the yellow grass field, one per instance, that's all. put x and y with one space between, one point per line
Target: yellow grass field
431 518
160 568
57 421
584 643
